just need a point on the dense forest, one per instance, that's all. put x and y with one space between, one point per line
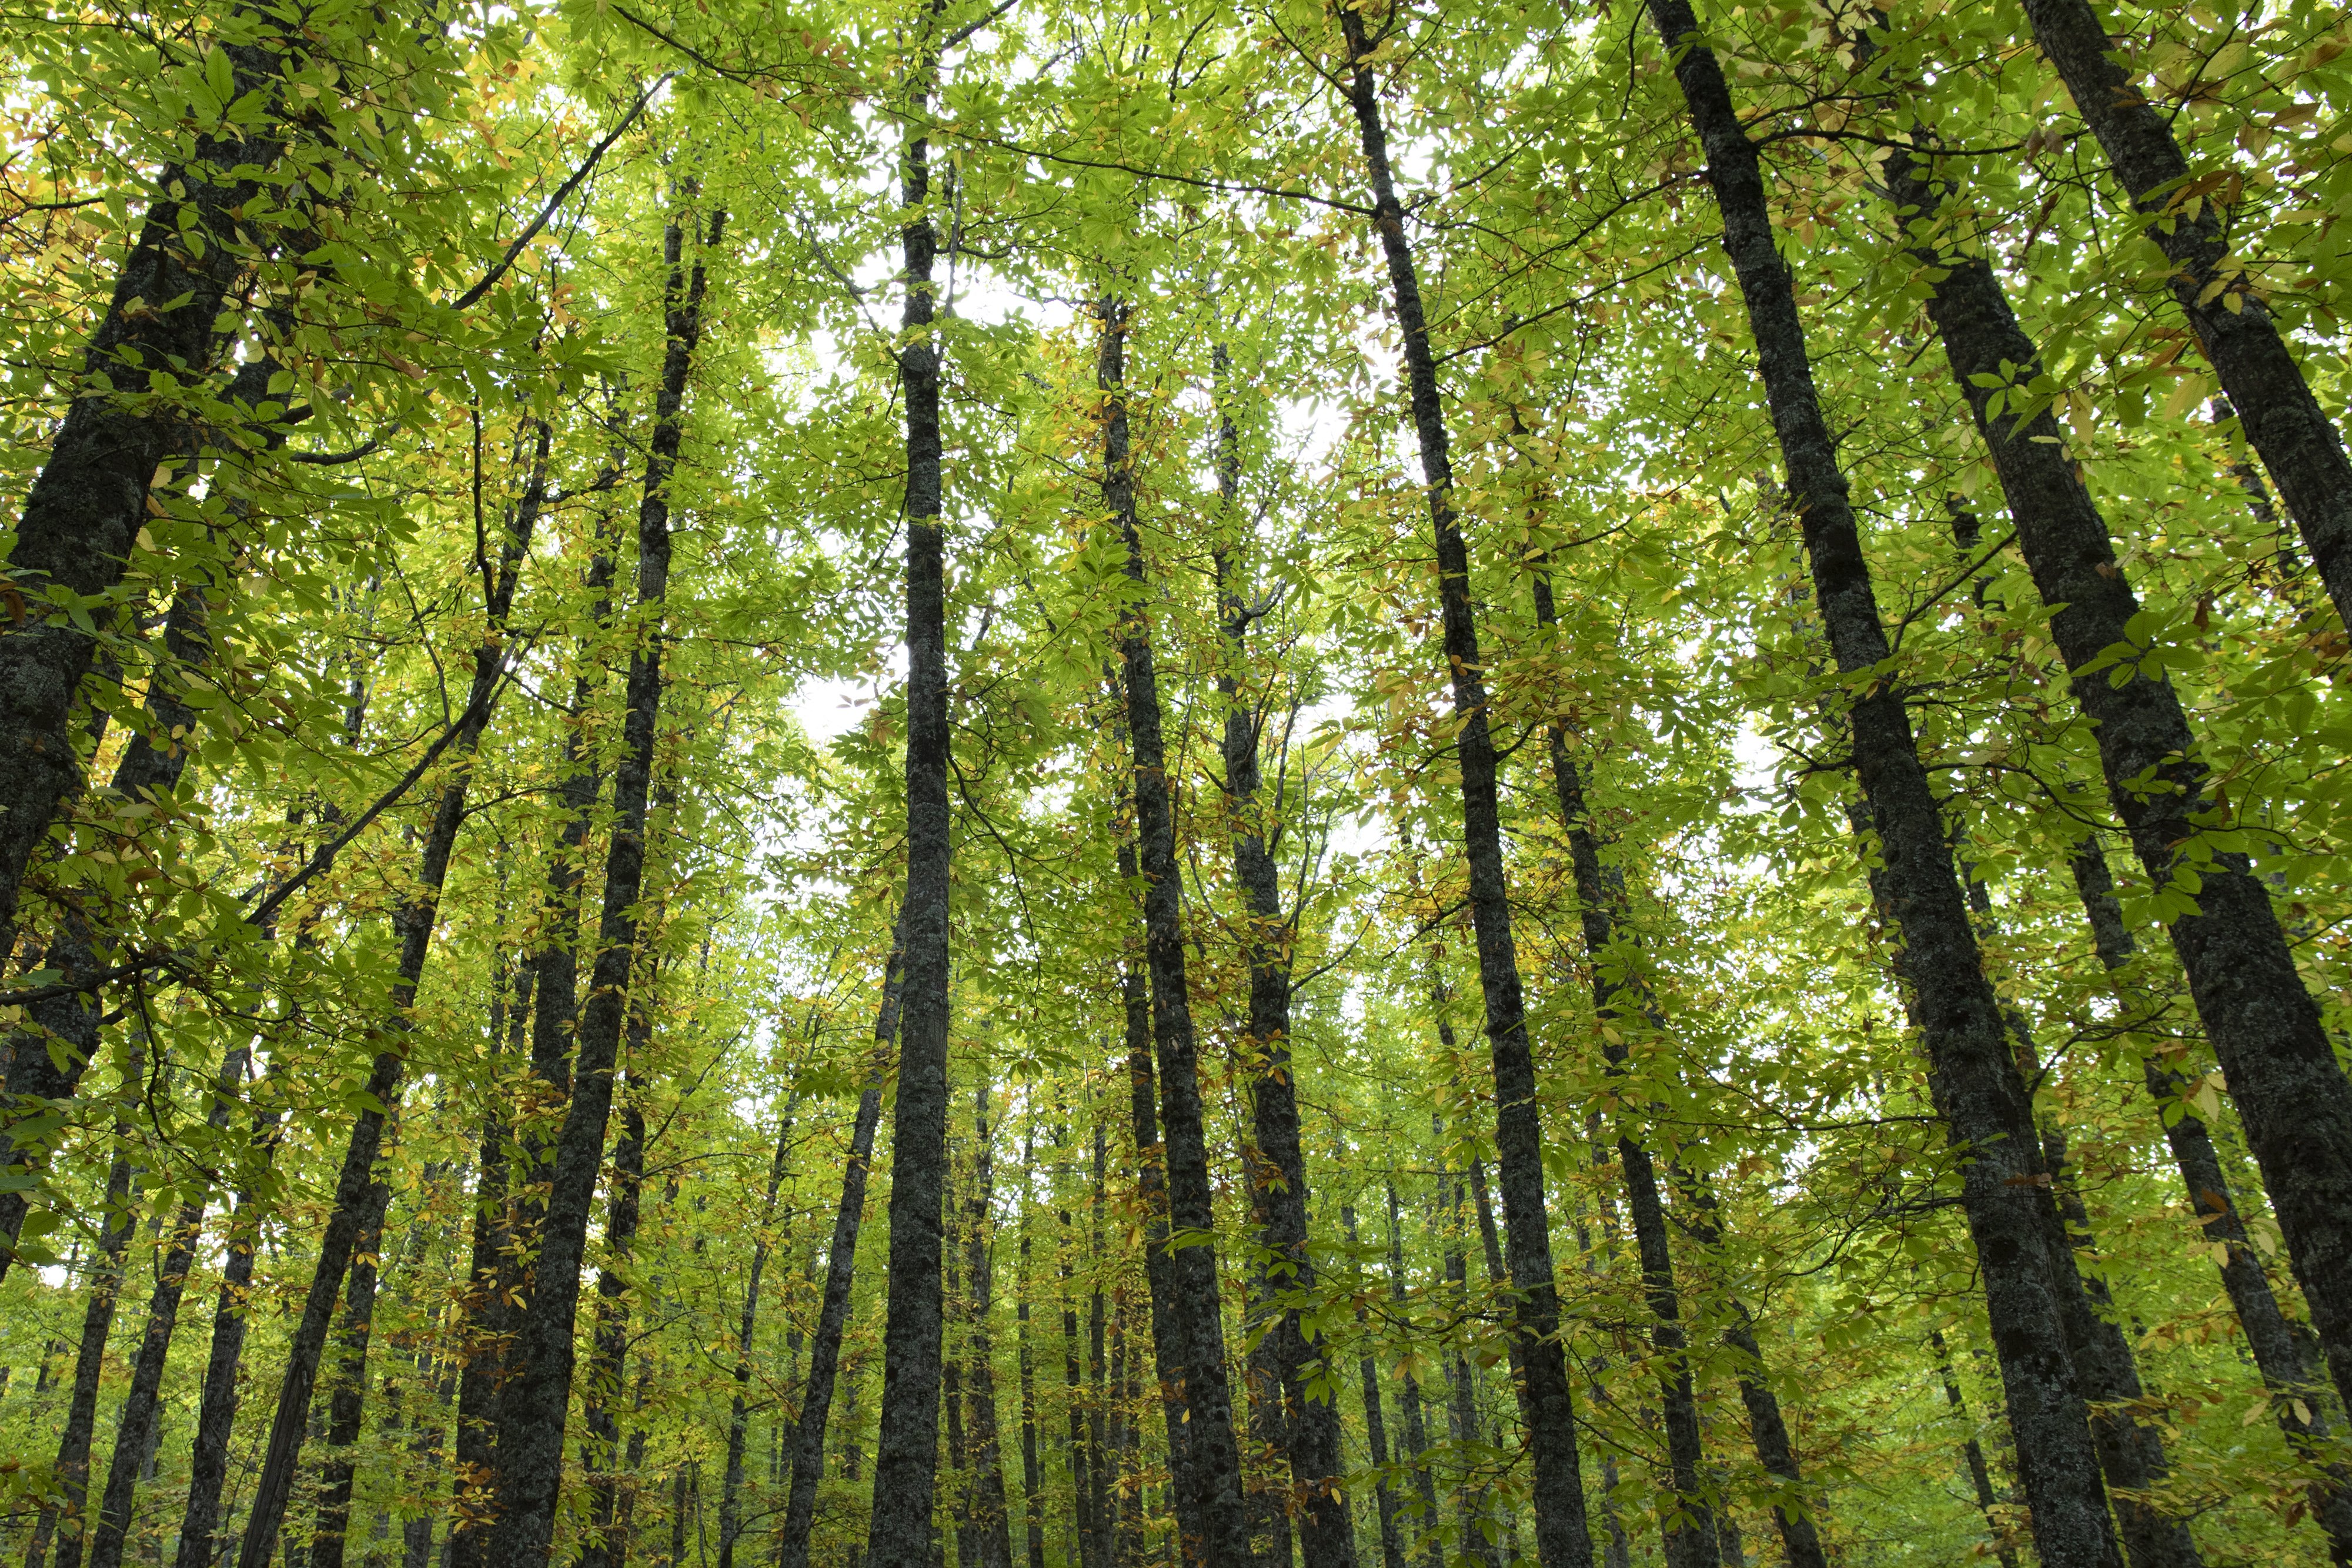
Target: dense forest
872 782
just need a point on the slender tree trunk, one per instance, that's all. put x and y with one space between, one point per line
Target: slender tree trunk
1101 1411
1979 1476
992 1520
906 1457
1974 1082
1416 1429
1376 1433
2303 452
604 1543
1082 1516
1218 1537
216 1402
347 1395
2292 1097
413 924
1462 1402
136 1433
531 1412
739 1422
840 1274
1033 1476
118 1221
1563 1538
2279 1354
968 1551
1277 1165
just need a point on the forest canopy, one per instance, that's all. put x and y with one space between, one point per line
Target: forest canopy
872 782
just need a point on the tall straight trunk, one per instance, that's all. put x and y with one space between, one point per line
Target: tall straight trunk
2280 1353
1144 1100
217 1401
1168 1349
992 1521
1974 1082
1266 1500
1218 1535
605 1542
347 1395
739 1421
1033 1476
118 1221
87 505
1416 1428
150 768
968 1550
1462 1397
1117 1548
907 1455
488 1307
2239 337
1563 1536
1376 1434
1973 1452
413 924
1278 1164
136 1432
2292 1096
532 1409
1082 1517
840 1275
1691 1525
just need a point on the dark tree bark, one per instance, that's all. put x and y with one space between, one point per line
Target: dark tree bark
840 1274
1563 1536
739 1422
2278 1351
1219 1536
87 506
2303 452
991 1522
2294 1099
532 1409
136 1432
1082 1517
347 1393
1033 1476
1376 1433
1979 1476
1462 1402
1974 1082
217 1400
1145 1103
413 925
117 1221
1264 1500
1416 1428
1277 1166
149 771
605 1542
906 1460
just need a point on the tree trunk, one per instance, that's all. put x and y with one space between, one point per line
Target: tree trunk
739 1420
347 1395
1974 1082
84 512
2282 418
840 1274
1376 1433
1211 1452
1563 1538
413 924
1032 1477
2292 1097
1081 1517
1416 1429
136 1433
2279 1354
992 1521
531 1412
1979 1476
907 1455
1277 1166
117 1221
604 1543
216 1402
1462 1402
